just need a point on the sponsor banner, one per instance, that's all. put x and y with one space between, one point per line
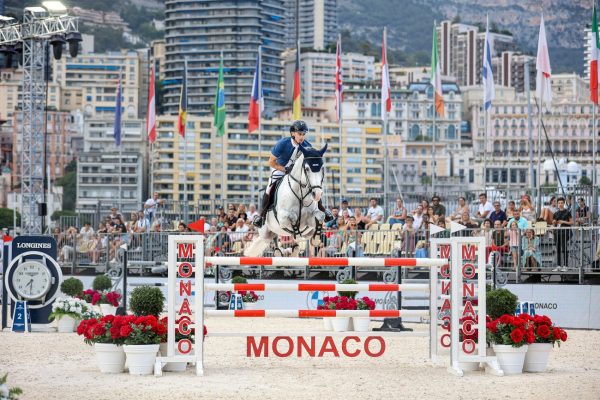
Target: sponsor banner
569 306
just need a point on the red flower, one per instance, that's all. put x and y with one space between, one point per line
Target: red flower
126 330
95 298
108 318
98 329
506 319
543 331
556 333
517 336
115 332
563 335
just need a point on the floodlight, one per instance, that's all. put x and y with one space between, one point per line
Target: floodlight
73 38
37 12
5 21
55 7
57 42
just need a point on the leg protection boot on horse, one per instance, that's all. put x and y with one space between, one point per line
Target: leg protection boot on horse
260 219
328 214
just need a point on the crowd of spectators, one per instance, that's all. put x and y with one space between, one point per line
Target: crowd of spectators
229 230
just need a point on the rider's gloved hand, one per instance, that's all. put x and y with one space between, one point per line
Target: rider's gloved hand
289 168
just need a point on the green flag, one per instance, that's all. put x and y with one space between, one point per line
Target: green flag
220 102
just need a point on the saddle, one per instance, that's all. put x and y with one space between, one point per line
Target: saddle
273 198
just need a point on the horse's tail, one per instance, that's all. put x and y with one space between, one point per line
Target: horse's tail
257 247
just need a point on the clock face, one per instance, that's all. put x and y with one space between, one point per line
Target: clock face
31 280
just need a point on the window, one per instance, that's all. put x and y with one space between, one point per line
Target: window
451 132
414 132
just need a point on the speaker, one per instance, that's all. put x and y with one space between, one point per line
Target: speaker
42 210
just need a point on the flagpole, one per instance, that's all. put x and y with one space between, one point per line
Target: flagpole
539 180
529 125
222 154
340 124
485 136
184 167
594 149
151 158
260 167
433 148
385 134
120 93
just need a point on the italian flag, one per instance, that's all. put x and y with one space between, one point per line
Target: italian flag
436 76
594 55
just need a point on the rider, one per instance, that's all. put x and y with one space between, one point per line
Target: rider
283 155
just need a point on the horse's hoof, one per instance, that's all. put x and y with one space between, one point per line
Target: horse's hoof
320 215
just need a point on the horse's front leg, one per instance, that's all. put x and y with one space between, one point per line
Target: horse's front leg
288 217
318 214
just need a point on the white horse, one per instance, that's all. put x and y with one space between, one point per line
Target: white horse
295 211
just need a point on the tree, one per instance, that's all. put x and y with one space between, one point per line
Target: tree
69 185
585 181
6 218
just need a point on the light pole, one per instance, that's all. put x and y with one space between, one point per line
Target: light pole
41 25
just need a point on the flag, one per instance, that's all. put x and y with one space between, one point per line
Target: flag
594 56
117 130
386 98
487 73
257 104
220 102
339 90
297 108
436 75
543 87
151 114
181 120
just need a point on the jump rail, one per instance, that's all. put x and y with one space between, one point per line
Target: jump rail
326 261
313 287
316 313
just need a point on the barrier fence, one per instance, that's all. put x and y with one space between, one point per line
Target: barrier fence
558 253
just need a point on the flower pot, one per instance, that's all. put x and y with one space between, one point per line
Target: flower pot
536 359
141 358
511 359
110 357
340 324
361 324
250 306
107 309
172 366
327 323
468 365
66 324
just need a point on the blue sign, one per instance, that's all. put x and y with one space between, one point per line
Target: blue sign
236 302
525 307
21 317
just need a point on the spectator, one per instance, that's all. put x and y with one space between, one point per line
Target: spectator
222 241
399 214
374 213
361 220
344 206
418 217
442 224
86 241
155 227
510 210
439 211
336 215
526 208
532 257
522 223
352 239
462 208
582 214
231 217
469 223
181 228
345 216
513 241
214 221
563 221
114 214
142 225
430 213
499 239
333 244
242 213
547 213
486 232
151 206
239 230
408 238
249 235
130 225
497 214
251 212
485 208
425 205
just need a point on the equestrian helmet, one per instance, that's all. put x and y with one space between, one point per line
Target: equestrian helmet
299 126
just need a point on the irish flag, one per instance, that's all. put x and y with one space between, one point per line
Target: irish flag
436 76
594 55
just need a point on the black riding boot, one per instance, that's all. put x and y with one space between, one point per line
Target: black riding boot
260 219
328 214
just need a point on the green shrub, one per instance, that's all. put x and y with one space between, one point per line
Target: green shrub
239 279
71 287
348 294
101 283
500 302
147 300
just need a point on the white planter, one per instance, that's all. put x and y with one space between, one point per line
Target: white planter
66 324
468 365
536 359
250 306
511 359
327 323
361 324
110 357
172 366
340 324
141 358
107 309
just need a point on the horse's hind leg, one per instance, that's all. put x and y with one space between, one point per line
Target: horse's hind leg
260 243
